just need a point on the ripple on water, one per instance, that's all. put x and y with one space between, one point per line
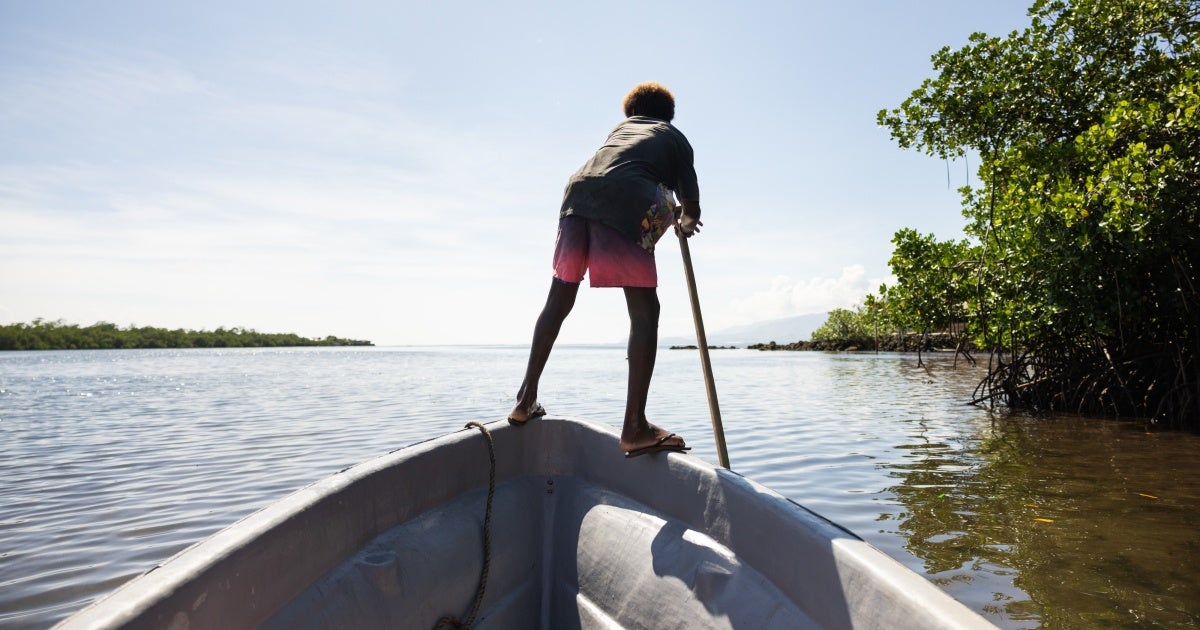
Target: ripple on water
171 446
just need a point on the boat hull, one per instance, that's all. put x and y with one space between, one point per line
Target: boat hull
580 538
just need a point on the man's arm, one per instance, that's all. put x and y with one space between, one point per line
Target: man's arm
689 222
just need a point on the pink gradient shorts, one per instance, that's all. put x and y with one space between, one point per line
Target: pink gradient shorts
609 259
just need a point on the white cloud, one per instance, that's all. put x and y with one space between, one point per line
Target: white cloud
786 297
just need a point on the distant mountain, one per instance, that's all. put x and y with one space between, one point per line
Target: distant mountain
786 330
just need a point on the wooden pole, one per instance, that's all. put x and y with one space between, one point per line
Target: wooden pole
702 341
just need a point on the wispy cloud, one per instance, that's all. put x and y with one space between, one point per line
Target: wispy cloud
58 80
153 181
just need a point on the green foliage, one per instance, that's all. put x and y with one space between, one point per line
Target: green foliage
848 326
933 289
57 335
1085 235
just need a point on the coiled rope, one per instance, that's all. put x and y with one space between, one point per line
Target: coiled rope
449 620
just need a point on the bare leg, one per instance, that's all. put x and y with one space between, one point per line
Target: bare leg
643 307
558 305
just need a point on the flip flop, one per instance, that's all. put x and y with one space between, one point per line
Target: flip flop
658 445
538 412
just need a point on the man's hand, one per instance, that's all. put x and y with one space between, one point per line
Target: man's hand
688 226
689 219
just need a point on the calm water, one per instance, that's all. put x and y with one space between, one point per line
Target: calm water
113 461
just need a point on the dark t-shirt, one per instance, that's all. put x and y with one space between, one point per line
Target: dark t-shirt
619 183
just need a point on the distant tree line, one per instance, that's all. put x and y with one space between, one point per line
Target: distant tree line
58 335
875 327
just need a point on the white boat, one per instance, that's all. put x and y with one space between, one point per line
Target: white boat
580 537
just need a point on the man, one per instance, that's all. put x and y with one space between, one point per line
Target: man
615 208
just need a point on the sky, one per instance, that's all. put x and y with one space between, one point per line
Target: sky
392 170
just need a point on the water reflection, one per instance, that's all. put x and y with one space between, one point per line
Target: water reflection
1063 509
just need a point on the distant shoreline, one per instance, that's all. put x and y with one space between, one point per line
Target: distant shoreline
912 342
58 335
